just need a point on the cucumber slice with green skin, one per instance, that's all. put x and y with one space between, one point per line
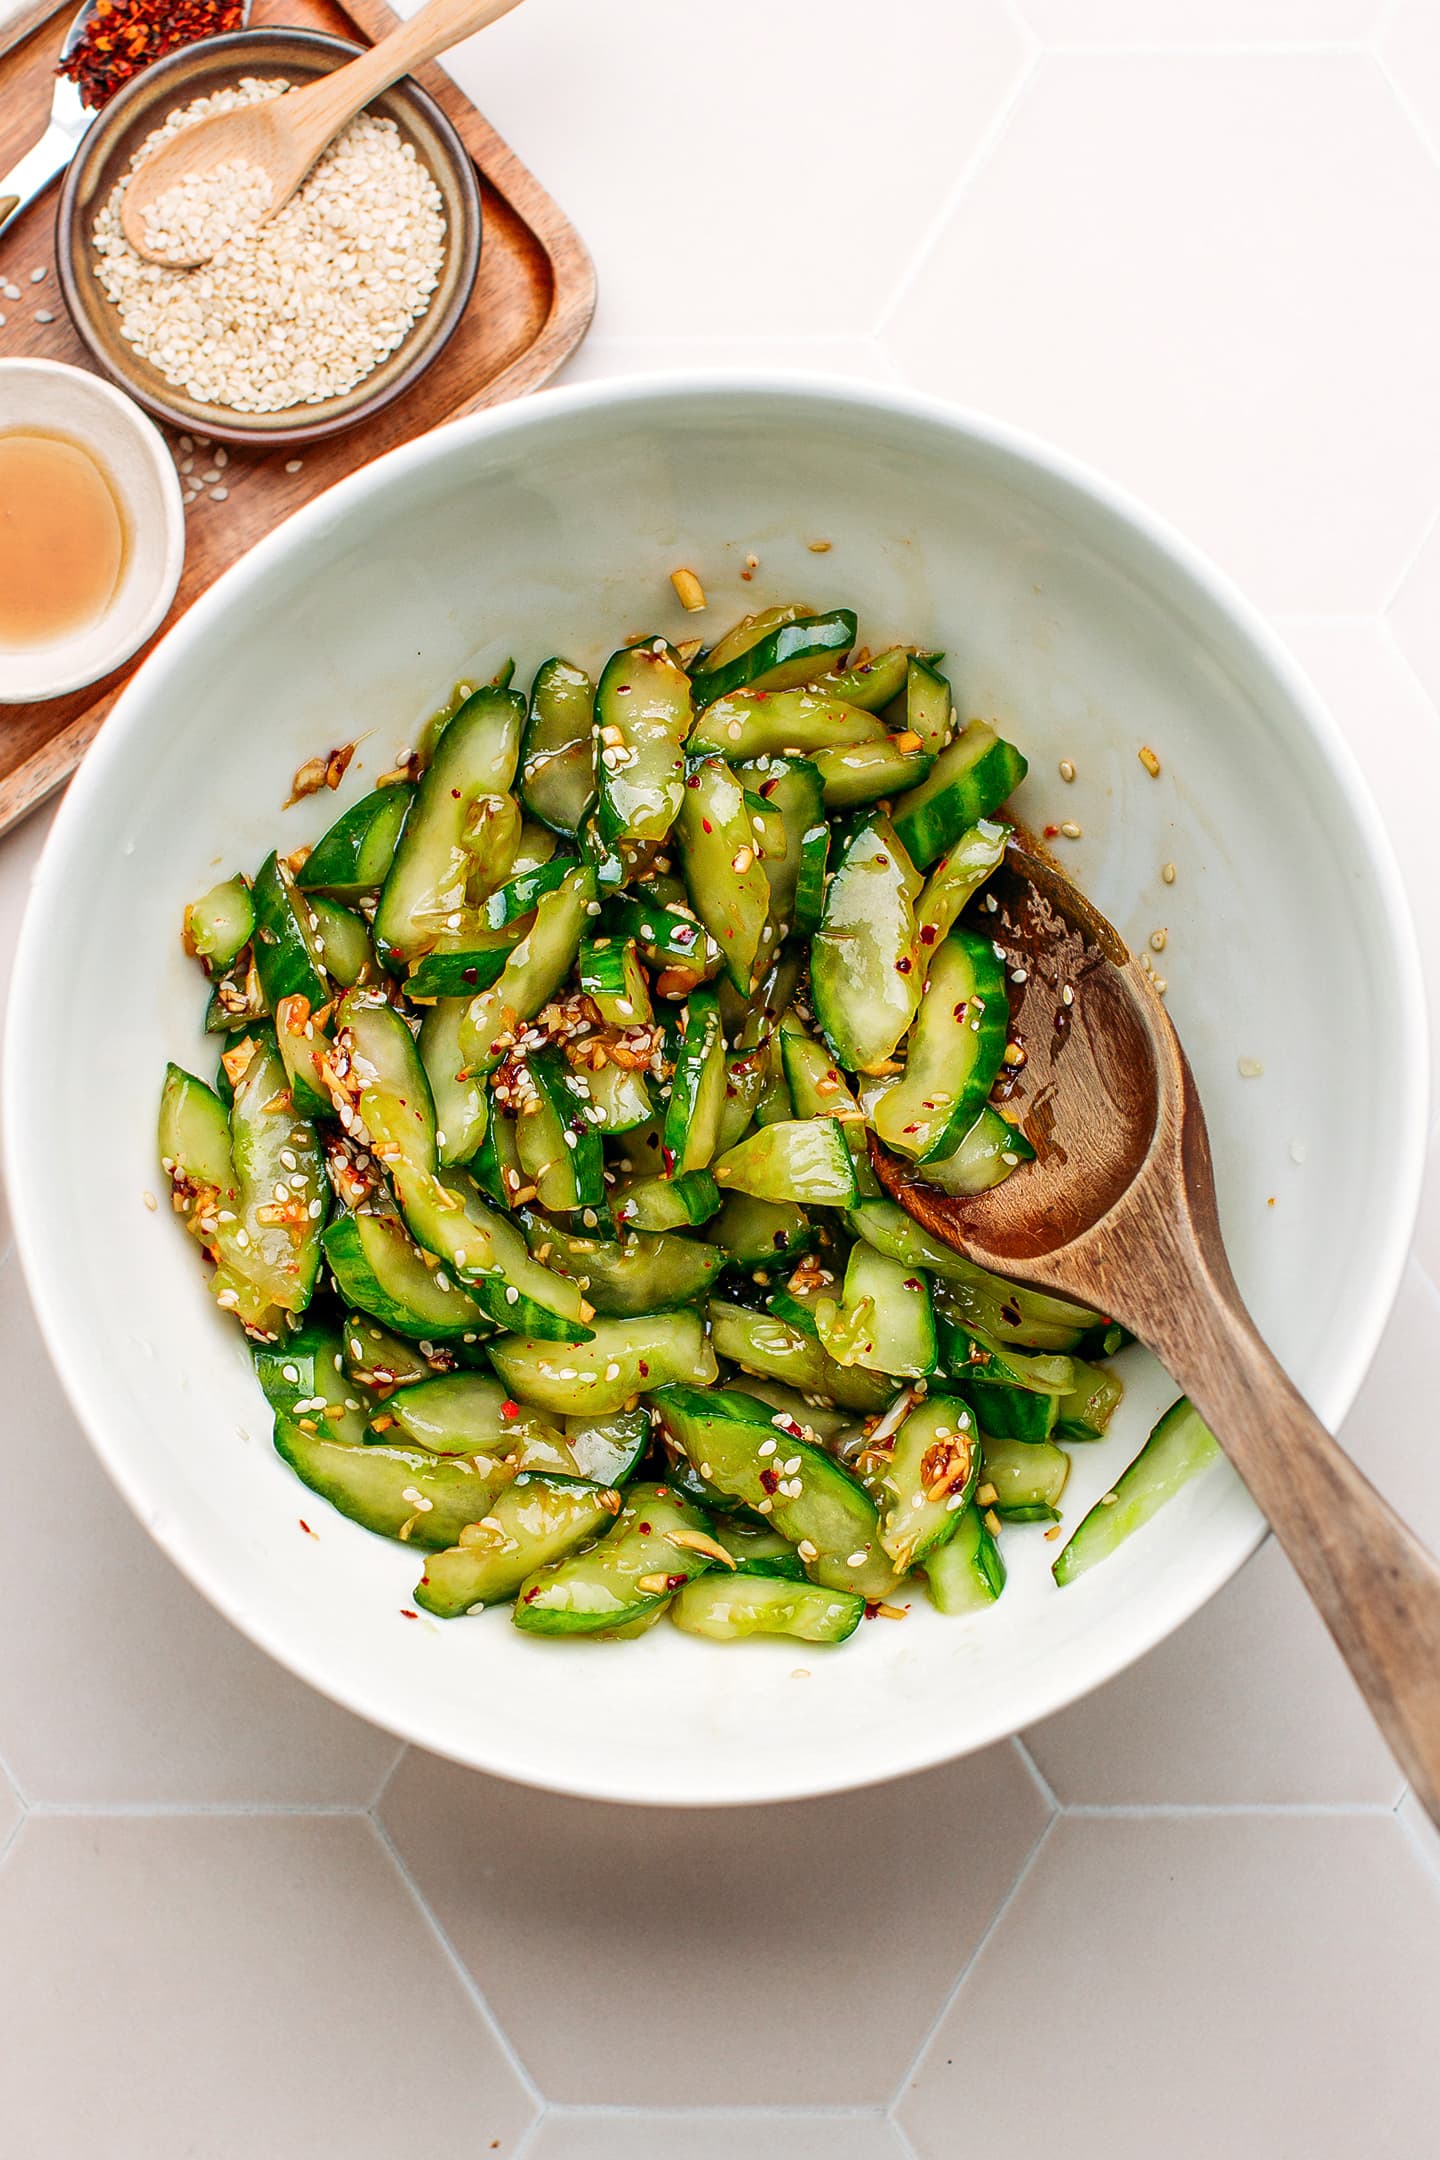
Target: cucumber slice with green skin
1008 1314
485 1252
783 723
464 974
560 1150
512 902
966 1355
865 978
726 865
668 938
1008 1413
734 1443
378 1267
538 845
219 925
873 684
398 1492
747 1076
986 1156
533 973
467 1414
270 1256
288 958
609 1450
352 860
730 1608
810 883
885 1321
619 1359
1180 1446
1027 1477
855 773
812 1421
761 1233
929 706
786 654
533 1523
378 1065
968 781
627 1576
642 1272
818 1088
344 943
643 712
931 1472
461 1103
236 998
454 851
761 1343
307 1368
747 632
966 1573
377 1361
661 1203
495 1166
955 1051
618 1101
750 1022
557 752
300 1043
956 878
697 1091
612 978
756 1549
1087 1408
805 1160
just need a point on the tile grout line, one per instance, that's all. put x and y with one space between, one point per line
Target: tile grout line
1032 61
531 2132
902 2138
387 1777
462 1971
1208 1810
722 2110
1403 575
1036 1775
1221 49
952 1993
208 1810
1422 1838
1416 125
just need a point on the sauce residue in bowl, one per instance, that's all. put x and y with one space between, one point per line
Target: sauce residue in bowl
62 540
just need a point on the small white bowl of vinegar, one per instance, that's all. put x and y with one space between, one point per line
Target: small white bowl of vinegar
92 529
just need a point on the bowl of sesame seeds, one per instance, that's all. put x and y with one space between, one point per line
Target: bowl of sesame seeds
310 323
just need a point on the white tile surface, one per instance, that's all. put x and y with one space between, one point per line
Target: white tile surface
1196 241
231 1987
1246 1985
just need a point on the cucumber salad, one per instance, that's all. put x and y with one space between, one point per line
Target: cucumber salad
535 1167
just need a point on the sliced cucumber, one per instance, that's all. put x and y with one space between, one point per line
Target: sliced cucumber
785 723
530 1525
460 1102
353 858
672 940
761 1343
305 1373
785 653
1180 1446
1028 1319
969 781
966 1573
485 1251
378 1361
967 1355
929 705
270 1255
818 1089
856 773
1026 1476
956 878
871 683
236 998
612 978
457 844
398 1492
658 1544
301 1045
885 1320
790 788
985 1157
804 1420
756 1549
560 1150
733 1442
661 1203
954 1053
219 925
533 973
609 1450
697 1091
468 1414
864 973
345 946
620 1359
807 1161
643 712
1009 1413
761 1233
496 1164
1087 1408
464 973
378 1266
557 752
377 1064
729 1608
727 865
519 897
641 1272
288 956
930 1471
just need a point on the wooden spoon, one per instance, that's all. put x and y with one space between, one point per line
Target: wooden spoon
1118 1212
283 136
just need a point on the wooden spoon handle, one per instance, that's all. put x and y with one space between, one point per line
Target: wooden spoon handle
1376 1585
334 99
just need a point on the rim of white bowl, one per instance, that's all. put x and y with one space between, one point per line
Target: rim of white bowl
1407 1135
132 633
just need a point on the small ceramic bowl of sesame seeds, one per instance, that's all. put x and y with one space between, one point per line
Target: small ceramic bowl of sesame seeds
304 326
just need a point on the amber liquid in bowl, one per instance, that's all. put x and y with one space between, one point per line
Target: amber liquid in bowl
62 539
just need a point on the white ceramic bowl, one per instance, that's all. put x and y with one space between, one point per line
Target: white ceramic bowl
1068 614
49 398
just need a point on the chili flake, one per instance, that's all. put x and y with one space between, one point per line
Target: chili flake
124 36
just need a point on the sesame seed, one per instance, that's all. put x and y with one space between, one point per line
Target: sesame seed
1070 829
1158 940
36 276
808 1551
1067 769
44 315
294 464
1249 1068
1167 871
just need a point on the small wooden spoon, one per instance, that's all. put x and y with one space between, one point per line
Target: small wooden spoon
1118 1212
283 136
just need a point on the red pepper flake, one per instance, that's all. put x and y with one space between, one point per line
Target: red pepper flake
928 933
509 1409
770 1479
903 967
125 36
307 1529
1052 832
644 1528
706 826
407 1614
644 1370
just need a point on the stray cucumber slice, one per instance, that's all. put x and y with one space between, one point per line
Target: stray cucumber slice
1180 1446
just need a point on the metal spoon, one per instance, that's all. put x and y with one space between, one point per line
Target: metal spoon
69 119
1118 1212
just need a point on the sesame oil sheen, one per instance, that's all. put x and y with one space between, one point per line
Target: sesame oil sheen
62 542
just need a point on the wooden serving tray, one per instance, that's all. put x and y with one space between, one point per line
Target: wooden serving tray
531 306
